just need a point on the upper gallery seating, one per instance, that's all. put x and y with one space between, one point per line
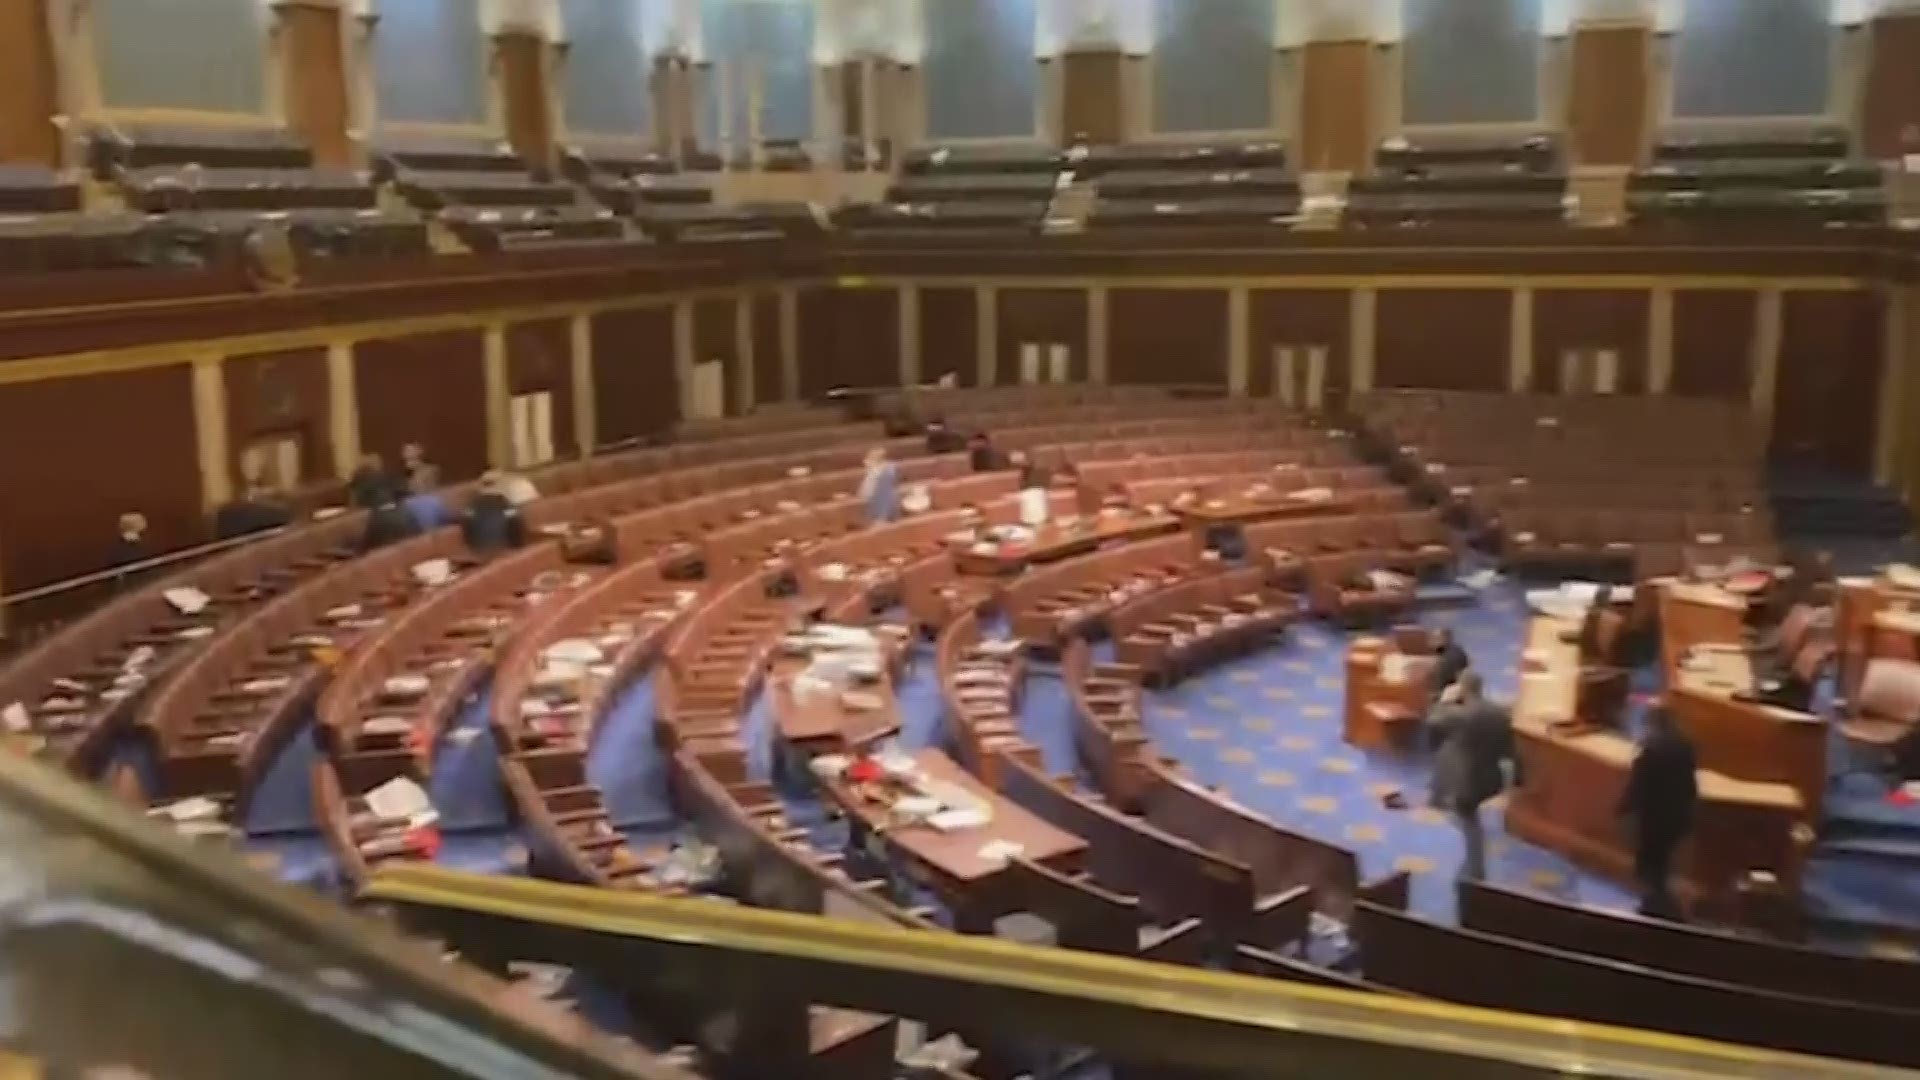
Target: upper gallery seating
215 185
42 228
1460 179
972 188
1805 176
484 193
631 183
1586 483
1217 184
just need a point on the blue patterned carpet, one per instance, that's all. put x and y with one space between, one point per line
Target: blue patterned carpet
1266 728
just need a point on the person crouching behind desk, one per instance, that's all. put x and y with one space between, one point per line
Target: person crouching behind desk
1658 808
1475 736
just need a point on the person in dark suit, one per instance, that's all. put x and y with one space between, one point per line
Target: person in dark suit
1475 736
1658 807
130 546
388 523
981 456
493 523
1450 662
371 483
942 439
254 511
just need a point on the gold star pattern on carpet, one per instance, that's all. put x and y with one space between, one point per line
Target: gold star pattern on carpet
1243 676
1365 834
1427 815
1295 742
1204 734
1173 711
1318 712
1317 804
1219 701
1327 683
1257 723
1382 789
1275 778
1339 765
1413 864
1277 693
1237 755
1547 879
1298 665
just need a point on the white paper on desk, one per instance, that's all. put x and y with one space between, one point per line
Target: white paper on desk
575 650
342 613
1393 668
267 685
187 600
327 513
433 571
829 765
1033 506
400 799
1001 850
386 725
193 633
1580 592
916 807
1903 576
953 819
16 718
138 658
194 808
405 686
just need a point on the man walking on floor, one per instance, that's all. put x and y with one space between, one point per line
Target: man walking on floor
1658 806
1475 737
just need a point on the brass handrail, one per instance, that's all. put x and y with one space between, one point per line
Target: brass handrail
1130 1009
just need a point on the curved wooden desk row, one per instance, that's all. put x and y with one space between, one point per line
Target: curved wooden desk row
64 682
1325 464
1052 439
265 648
1049 605
218 723
1876 618
994 420
1182 438
1410 954
1572 780
1190 624
372 728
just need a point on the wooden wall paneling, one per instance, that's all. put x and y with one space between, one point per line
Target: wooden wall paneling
1826 397
280 394
1713 342
75 453
424 388
315 74
523 89
1450 339
636 391
766 348
1167 336
1043 317
1299 317
1093 105
1336 106
29 85
949 335
1892 105
714 338
1607 104
1590 319
539 359
850 337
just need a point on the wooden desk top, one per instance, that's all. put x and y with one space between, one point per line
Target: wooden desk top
1240 507
1547 695
1053 541
1697 614
822 721
955 854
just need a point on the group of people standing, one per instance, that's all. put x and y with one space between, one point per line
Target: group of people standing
1474 761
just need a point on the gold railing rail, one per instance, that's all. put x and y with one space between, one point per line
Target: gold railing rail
1130 1010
